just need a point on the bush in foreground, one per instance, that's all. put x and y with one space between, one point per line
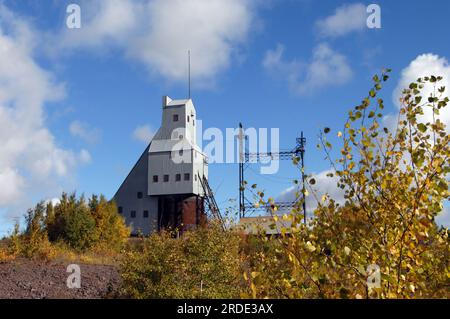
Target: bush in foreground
203 263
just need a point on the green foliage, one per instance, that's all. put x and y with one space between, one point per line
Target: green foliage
203 263
80 229
72 222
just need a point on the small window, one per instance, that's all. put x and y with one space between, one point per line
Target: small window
140 195
195 177
120 209
178 177
188 118
175 117
181 137
145 213
187 176
155 178
133 214
180 152
193 122
166 178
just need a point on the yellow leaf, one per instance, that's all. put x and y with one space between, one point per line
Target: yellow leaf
347 250
310 246
253 287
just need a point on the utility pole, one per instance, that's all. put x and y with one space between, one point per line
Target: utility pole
241 172
302 156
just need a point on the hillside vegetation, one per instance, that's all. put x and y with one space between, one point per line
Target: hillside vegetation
73 228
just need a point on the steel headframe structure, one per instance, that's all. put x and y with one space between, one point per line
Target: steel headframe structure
211 209
246 207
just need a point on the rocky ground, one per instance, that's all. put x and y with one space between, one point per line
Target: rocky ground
24 278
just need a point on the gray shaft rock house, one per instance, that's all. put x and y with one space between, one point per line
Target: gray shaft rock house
164 188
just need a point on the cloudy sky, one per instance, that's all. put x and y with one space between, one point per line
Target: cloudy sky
77 106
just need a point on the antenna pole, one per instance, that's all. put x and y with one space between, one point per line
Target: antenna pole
302 154
241 172
189 74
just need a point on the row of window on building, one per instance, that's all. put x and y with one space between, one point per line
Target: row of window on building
175 119
187 177
133 213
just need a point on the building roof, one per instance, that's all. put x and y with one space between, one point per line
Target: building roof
178 102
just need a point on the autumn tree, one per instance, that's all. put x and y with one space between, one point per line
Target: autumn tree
74 222
394 181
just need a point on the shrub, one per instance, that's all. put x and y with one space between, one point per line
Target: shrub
80 230
203 263
5 253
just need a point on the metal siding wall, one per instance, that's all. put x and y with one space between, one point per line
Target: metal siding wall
126 198
161 164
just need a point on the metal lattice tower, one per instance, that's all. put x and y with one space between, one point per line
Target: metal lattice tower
246 207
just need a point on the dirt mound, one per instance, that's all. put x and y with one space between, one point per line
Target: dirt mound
34 279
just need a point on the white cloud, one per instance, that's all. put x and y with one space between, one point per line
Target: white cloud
347 18
143 133
273 61
84 157
324 185
426 65
85 132
55 201
159 33
326 68
32 165
444 218
103 22
12 183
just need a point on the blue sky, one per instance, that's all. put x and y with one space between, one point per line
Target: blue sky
81 95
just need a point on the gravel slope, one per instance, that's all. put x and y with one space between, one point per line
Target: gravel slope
24 278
